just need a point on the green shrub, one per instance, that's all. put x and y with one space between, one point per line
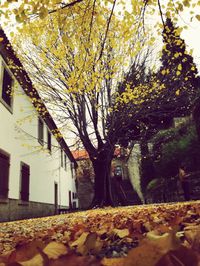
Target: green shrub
173 147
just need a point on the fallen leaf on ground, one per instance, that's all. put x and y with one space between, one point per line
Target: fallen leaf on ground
121 232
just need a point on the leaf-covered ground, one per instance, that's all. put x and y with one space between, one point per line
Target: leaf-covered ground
165 234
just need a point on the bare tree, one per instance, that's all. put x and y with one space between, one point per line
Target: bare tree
76 63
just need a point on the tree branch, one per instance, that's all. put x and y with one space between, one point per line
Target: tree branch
107 29
66 5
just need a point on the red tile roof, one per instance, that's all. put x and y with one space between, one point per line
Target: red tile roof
80 154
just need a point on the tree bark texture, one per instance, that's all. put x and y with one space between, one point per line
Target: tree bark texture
102 183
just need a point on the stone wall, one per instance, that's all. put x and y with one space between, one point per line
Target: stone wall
13 209
85 193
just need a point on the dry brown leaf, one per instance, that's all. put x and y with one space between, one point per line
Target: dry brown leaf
152 249
121 232
36 260
163 228
147 225
54 250
80 241
98 246
92 244
145 255
74 260
166 242
67 235
26 252
101 232
180 256
4 258
33 255
113 262
90 241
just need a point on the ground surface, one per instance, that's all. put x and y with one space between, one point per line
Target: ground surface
165 234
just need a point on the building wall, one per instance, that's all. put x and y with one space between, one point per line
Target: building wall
19 138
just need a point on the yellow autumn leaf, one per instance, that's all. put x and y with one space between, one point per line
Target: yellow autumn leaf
163 72
178 92
81 240
198 17
54 250
186 3
43 12
37 260
65 39
121 232
180 67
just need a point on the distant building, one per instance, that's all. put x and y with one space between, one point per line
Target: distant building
119 164
84 178
37 169
85 173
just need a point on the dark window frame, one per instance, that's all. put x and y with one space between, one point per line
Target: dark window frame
61 157
40 131
4 185
65 161
72 169
49 142
24 184
3 93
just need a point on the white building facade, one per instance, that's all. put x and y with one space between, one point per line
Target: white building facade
37 174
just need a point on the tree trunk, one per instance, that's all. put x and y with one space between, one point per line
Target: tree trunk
102 185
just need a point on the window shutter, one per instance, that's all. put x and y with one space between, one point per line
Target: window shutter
61 156
49 140
4 174
25 176
7 87
70 200
40 131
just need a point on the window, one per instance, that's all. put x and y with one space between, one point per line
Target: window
6 92
25 176
74 195
61 154
40 131
118 171
72 169
65 156
48 140
4 174
70 199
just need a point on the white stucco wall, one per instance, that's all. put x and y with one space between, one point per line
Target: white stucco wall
134 169
18 137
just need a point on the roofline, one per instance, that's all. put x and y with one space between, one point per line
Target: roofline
25 82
